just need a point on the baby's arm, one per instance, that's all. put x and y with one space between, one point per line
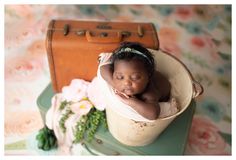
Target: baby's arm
105 67
106 73
149 109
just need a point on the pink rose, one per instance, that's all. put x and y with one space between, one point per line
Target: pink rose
204 138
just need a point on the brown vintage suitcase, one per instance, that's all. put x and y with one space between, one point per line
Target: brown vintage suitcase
73 46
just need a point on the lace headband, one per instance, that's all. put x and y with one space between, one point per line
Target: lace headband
134 51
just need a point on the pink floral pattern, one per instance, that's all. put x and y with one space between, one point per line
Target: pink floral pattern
168 38
23 123
204 138
184 13
198 42
23 68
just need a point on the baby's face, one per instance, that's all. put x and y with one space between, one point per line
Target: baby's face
130 77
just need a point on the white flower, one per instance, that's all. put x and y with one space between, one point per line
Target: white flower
76 91
81 108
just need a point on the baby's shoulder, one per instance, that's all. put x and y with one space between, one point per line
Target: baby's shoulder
160 81
150 96
161 84
159 77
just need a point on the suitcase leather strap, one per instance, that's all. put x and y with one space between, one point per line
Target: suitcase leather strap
103 38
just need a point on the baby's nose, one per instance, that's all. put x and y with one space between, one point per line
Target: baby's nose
127 83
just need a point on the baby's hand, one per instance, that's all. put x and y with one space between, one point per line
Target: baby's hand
123 98
121 94
104 58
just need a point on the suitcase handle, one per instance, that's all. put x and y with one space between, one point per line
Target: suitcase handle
103 38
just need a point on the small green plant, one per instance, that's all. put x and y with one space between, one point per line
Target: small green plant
63 119
88 125
63 105
46 139
85 128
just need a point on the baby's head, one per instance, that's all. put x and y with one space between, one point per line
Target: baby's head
132 66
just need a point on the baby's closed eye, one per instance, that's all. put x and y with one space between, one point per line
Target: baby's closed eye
135 77
119 77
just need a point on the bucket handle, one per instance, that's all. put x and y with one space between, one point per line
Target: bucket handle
197 89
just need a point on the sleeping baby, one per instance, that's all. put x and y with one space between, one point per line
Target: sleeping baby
130 71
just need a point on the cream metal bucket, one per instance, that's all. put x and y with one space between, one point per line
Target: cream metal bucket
184 88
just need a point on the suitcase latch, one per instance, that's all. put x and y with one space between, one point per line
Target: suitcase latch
66 29
140 31
104 34
125 33
81 32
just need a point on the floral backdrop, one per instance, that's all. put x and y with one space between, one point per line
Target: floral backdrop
198 35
